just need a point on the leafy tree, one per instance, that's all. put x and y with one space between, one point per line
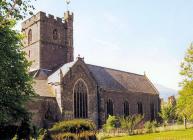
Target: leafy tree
168 113
185 100
14 10
15 82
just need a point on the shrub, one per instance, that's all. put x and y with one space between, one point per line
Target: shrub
111 123
130 122
71 129
150 126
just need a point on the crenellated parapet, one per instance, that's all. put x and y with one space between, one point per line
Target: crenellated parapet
41 16
68 16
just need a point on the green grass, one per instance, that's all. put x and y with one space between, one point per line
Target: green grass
169 135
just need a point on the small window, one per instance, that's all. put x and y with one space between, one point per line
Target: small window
140 108
126 108
29 37
55 34
109 107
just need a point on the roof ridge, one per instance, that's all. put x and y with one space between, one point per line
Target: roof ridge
116 70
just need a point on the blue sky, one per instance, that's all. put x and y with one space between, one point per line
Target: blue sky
131 35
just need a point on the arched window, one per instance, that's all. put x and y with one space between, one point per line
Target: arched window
55 34
80 100
140 108
109 107
29 37
152 111
126 108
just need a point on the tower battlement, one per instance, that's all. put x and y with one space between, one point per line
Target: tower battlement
44 17
68 16
49 40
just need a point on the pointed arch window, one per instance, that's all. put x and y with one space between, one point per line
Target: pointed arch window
80 100
126 108
109 107
29 36
152 111
140 108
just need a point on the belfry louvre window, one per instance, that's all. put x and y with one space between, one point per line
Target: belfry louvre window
29 37
140 108
109 107
126 108
80 100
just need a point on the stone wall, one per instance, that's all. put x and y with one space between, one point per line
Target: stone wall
118 99
45 111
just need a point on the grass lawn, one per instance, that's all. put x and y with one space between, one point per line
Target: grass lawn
169 135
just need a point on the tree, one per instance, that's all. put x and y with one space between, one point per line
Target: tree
168 113
15 82
185 100
14 10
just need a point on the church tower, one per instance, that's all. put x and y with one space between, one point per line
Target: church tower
49 41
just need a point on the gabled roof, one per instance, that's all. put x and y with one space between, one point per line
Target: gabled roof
111 79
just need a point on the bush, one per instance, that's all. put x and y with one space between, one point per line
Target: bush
72 129
23 131
130 122
111 123
150 126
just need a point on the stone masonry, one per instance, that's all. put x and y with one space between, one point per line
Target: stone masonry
66 86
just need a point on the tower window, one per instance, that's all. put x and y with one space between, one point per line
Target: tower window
126 108
29 37
109 107
80 100
55 34
140 108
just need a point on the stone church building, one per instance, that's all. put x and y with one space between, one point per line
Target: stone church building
70 88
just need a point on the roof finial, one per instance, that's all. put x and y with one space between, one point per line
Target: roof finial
80 58
67 3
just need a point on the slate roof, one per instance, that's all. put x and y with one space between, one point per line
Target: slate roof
106 78
111 79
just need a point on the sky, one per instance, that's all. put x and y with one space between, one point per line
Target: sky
137 36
